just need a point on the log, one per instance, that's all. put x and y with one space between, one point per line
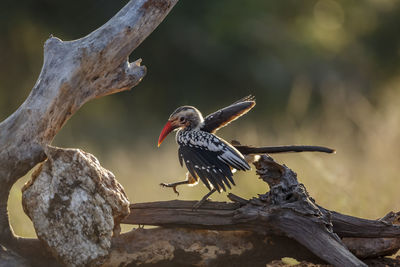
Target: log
287 210
364 238
185 247
174 247
10 258
221 216
188 247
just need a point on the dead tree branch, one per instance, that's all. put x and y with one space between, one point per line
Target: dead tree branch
73 73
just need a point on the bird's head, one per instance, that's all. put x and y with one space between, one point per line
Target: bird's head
185 117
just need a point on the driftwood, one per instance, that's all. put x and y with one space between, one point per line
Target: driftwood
73 73
94 66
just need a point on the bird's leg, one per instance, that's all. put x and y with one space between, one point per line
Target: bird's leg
174 185
201 202
189 180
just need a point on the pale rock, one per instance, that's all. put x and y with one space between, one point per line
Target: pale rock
75 205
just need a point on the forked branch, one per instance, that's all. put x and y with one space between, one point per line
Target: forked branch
73 73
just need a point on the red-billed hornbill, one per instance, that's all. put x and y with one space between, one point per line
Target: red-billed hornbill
207 156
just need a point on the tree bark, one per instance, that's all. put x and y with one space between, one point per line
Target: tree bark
222 216
191 247
364 238
10 258
73 73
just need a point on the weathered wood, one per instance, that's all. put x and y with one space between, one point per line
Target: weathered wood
372 247
349 226
185 247
166 247
73 73
216 215
371 238
287 210
10 258
35 252
179 204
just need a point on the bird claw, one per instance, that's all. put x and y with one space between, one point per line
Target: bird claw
170 185
199 204
204 199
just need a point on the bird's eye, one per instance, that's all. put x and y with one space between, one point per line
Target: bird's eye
182 119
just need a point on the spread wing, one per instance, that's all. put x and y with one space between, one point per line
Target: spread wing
224 116
210 159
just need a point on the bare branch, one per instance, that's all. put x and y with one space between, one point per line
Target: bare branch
73 73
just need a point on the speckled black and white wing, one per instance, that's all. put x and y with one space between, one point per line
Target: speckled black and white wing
209 158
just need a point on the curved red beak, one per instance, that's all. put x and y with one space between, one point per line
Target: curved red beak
165 131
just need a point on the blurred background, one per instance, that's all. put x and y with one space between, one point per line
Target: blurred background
324 72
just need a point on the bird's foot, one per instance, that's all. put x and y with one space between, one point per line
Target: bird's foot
170 185
199 204
204 199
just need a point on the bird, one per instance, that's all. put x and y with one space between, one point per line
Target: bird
207 157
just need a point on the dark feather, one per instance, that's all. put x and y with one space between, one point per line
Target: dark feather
215 177
190 166
199 163
224 116
218 174
236 161
180 158
246 98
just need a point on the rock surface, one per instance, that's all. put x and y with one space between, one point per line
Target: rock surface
75 205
